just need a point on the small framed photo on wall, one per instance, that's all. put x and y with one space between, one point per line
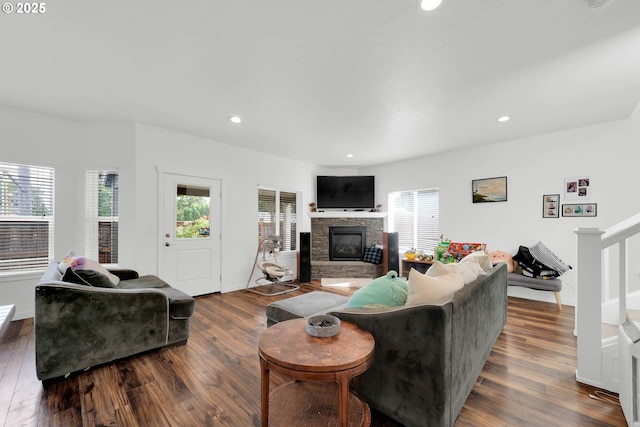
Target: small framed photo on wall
580 209
551 206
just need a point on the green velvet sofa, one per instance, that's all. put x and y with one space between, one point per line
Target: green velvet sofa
78 327
427 356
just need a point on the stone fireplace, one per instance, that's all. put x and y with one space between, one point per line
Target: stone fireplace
369 225
346 243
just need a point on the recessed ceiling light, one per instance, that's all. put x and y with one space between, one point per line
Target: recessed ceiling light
349 155
504 119
429 5
235 119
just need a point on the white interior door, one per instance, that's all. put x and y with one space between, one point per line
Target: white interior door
190 235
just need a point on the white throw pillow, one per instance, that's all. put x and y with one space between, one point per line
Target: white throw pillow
427 289
479 257
438 268
469 270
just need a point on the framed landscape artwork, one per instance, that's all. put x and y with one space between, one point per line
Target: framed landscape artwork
489 190
551 206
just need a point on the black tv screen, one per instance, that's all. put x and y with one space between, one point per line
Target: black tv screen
345 192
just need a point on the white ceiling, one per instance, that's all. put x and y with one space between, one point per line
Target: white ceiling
315 80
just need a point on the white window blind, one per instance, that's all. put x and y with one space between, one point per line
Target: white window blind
101 216
414 215
287 217
26 217
277 215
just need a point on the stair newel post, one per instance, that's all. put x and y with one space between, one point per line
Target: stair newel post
589 305
622 293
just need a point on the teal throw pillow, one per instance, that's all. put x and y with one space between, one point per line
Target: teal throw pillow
386 291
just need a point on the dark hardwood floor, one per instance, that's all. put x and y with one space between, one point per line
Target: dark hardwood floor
529 379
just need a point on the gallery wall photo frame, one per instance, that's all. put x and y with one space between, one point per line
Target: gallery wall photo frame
551 206
580 209
578 188
488 190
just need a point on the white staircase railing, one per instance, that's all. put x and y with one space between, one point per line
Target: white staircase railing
593 368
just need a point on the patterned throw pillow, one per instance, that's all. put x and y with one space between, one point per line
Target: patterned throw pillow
373 255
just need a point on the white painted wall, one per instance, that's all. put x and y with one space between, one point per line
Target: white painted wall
70 148
608 153
241 172
137 151
534 166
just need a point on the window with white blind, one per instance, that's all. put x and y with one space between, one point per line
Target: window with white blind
26 217
277 215
101 216
415 216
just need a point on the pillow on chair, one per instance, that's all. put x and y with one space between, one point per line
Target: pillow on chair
87 264
87 278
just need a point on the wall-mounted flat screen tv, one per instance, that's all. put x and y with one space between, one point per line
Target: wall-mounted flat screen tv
345 192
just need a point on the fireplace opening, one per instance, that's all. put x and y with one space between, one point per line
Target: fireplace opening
346 243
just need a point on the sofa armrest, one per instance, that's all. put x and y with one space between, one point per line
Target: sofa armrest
77 327
124 273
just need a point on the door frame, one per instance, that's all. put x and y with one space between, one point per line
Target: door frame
161 214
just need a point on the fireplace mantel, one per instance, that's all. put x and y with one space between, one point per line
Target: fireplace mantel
347 214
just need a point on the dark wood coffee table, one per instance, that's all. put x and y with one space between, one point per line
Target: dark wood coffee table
287 348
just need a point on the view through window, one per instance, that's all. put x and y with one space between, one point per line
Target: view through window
26 216
415 215
193 212
277 215
101 216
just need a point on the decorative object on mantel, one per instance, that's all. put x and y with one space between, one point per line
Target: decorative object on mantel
312 207
379 207
323 325
489 190
551 206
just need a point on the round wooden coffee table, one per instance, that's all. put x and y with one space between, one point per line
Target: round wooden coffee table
287 348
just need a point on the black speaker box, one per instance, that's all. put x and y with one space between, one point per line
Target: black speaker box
392 258
304 272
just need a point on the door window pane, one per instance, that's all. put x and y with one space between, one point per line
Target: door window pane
192 212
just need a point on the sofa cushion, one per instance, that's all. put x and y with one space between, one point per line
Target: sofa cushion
469 270
88 278
71 276
84 263
433 290
181 305
480 258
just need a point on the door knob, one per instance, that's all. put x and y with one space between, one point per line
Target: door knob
167 244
